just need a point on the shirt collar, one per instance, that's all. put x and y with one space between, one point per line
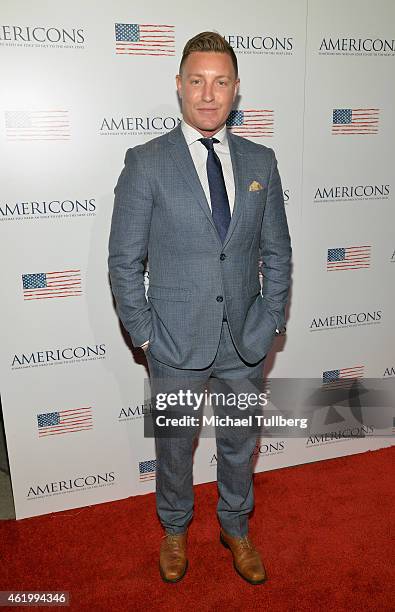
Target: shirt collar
191 135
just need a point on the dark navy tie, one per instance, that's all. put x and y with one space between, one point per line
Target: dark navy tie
219 198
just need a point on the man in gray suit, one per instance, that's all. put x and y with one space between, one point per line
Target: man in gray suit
204 205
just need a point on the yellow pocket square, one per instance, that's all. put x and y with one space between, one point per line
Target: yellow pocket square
255 186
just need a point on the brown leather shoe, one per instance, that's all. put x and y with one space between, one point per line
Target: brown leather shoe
173 561
246 559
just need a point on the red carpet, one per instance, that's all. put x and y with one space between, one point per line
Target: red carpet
323 529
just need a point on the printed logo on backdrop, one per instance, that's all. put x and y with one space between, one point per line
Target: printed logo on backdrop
251 123
342 378
73 485
340 435
23 125
271 448
58 356
390 371
327 322
353 121
348 258
64 421
351 193
132 414
260 450
147 470
48 209
356 46
153 125
41 36
48 285
392 260
144 39
261 44
213 460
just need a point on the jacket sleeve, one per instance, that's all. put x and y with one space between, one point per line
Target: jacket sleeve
275 249
128 245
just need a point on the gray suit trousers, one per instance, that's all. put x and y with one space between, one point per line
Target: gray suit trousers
174 480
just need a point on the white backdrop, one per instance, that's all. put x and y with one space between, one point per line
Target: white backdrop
72 389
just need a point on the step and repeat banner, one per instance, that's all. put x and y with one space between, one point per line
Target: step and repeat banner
82 83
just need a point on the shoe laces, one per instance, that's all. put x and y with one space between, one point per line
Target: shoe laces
172 538
245 543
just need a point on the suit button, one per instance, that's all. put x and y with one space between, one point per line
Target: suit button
222 256
220 298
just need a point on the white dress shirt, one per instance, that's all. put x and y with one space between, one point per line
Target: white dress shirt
199 155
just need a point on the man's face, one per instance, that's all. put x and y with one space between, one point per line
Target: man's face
207 87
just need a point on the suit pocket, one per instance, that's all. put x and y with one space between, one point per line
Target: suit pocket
258 195
171 294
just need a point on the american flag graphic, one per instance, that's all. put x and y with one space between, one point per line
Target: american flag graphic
355 121
43 285
37 125
147 470
64 421
252 123
144 39
348 258
343 378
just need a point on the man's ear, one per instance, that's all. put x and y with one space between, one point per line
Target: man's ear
237 85
179 84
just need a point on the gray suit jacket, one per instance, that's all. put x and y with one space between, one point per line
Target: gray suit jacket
160 210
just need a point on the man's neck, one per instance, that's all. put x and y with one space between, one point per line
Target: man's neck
192 133
205 134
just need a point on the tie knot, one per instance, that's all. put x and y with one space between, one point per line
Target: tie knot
209 143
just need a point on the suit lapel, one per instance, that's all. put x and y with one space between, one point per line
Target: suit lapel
238 174
183 159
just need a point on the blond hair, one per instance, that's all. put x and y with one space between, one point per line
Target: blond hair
209 42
